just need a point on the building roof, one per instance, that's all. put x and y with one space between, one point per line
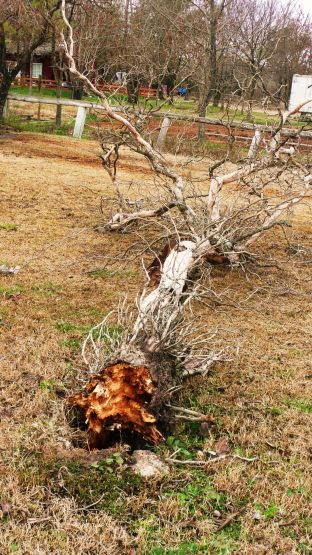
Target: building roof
44 49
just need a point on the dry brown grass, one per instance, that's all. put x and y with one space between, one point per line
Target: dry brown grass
50 189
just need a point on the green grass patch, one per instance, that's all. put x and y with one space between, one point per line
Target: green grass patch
104 273
65 327
274 411
77 332
269 511
8 227
86 484
225 541
24 91
302 405
71 343
257 117
37 126
198 496
47 288
11 291
50 385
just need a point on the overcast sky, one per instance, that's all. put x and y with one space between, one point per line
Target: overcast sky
306 5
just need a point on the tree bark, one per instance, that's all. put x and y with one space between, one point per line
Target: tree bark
57 59
202 107
251 94
133 86
4 91
214 16
77 91
58 114
211 89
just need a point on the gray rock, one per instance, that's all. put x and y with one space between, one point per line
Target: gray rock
6 270
148 465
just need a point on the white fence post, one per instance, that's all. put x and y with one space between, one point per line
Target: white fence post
80 122
163 133
255 143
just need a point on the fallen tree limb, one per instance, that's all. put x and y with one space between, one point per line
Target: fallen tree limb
206 462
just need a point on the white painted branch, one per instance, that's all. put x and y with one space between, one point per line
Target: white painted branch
168 293
121 220
295 110
176 267
216 184
276 141
269 221
213 202
9 270
290 151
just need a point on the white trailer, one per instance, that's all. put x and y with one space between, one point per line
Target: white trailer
301 89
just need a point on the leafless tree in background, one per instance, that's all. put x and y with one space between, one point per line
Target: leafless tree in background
210 39
24 26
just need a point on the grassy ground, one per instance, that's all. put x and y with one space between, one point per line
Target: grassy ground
57 498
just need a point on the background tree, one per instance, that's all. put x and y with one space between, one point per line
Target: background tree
98 39
24 25
257 33
155 52
292 55
205 31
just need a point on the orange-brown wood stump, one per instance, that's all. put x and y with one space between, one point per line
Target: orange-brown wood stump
115 401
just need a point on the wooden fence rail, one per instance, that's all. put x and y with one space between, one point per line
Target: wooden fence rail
50 84
83 106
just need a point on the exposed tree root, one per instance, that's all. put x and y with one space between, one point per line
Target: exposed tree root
115 402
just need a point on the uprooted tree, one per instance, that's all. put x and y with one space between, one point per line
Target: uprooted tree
136 371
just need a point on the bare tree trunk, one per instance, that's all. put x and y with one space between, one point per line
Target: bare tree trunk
251 94
4 91
30 74
58 115
161 140
128 398
137 410
211 90
214 16
216 98
133 85
57 71
202 107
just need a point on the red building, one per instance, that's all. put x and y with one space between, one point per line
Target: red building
40 64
